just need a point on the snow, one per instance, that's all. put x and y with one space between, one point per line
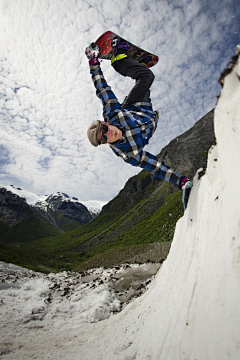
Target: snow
30 197
90 296
191 309
30 300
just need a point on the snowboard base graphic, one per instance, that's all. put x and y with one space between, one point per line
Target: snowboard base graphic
107 41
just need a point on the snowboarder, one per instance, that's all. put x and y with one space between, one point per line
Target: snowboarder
127 127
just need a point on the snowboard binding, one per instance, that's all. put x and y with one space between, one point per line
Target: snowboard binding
119 46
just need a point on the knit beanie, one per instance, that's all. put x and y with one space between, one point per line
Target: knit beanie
93 132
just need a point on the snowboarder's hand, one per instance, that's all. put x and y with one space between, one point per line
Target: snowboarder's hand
92 54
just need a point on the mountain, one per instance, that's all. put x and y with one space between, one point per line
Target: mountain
18 223
139 223
93 206
21 222
62 211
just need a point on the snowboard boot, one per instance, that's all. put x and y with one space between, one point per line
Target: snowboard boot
186 186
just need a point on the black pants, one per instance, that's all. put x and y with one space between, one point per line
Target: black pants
143 76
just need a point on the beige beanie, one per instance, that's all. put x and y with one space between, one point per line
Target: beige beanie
92 132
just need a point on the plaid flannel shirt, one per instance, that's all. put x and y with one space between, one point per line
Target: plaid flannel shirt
138 123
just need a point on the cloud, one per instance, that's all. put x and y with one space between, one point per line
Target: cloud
47 99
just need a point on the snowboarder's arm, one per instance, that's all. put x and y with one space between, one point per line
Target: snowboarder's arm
103 90
152 164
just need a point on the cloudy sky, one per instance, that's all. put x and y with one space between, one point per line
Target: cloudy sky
48 100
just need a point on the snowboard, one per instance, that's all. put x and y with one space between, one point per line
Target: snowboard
107 41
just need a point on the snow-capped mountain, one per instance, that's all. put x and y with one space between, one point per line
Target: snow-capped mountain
59 210
30 197
18 221
93 206
69 208
55 202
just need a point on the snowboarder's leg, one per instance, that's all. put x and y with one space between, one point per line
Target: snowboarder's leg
143 76
147 97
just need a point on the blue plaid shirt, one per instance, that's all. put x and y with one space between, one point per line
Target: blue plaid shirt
138 123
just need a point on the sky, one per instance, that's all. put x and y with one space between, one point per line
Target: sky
190 309
48 100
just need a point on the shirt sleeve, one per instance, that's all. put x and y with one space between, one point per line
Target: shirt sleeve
104 91
146 161
154 165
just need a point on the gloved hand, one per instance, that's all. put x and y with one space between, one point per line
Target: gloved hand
92 54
